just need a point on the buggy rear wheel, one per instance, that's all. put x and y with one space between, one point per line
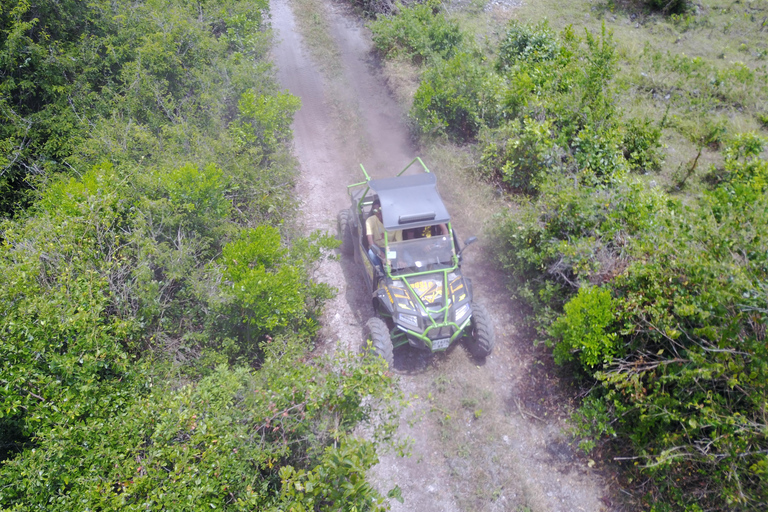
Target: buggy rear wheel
376 340
483 338
344 226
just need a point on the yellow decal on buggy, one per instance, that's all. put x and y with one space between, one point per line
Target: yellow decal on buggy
391 300
428 291
457 286
402 299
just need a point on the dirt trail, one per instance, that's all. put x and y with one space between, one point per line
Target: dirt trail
487 434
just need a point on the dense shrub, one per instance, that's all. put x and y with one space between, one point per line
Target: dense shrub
598 156
582 328
556 88
457 97
674 336
573 233
156 309
529 44
235 440
641 145
520 154
420 32
84 81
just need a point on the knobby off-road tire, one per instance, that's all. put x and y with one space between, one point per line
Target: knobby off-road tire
377 332
482 335
344 225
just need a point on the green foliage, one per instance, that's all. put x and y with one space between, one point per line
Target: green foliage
762 119
598 156
558 101
237 440
527 44
201 193
420 32
338 478
154 252
673 336
641 145
593 421
457 97
520 154
743 165
265 121
268 290
116 80
582 328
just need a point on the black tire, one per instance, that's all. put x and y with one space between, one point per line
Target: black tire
482 335
344 225
377 333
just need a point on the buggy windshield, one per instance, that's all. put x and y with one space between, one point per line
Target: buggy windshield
420 255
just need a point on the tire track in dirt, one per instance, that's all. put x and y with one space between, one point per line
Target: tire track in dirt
481 440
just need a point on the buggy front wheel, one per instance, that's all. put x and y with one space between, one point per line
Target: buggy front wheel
376 340
482 335
344 225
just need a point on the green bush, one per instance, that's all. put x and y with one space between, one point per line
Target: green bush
598 156
582 328
573 233
457 97
88 83
557 114
127 287
641 145
529 44
264 122
674 336
586 78
420 32
520 154
237 440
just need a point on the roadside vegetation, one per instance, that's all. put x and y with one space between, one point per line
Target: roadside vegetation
157 302
633 147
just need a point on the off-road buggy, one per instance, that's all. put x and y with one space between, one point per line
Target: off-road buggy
418 293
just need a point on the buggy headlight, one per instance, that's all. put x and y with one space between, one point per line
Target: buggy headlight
408 319
462 312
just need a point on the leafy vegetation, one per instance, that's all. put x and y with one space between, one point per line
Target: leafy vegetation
156 309
653 296
420 32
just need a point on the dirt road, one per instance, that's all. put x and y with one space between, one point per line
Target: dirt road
488 435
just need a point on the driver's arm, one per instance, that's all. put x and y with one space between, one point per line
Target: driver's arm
370 227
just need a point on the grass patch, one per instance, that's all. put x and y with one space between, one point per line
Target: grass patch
709 64
471 441
313 20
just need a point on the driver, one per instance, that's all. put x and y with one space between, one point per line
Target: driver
374 227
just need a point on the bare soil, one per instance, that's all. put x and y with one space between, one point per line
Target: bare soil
487 435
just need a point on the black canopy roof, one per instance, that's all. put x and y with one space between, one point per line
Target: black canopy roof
410 201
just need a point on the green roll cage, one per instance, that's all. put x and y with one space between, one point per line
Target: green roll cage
399 334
